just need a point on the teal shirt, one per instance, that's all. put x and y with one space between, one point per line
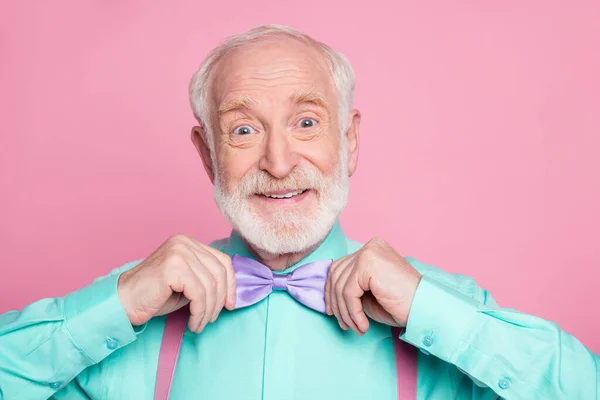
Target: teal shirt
82 346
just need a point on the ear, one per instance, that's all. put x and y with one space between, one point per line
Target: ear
353 141
201 143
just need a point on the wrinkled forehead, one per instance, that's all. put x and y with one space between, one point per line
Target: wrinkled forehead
271 68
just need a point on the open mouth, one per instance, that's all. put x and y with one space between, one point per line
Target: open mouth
284 195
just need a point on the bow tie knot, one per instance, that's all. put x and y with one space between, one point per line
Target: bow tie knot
255 281
280 282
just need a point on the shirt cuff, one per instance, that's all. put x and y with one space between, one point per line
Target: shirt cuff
97 320
439 319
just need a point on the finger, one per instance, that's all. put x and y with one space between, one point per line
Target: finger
200 315
230 284
230 274
341 299
328 287
353 294
217 270
218 273
335 307
188 283
206 288
331 279
337 267
225 261
210 289
207 261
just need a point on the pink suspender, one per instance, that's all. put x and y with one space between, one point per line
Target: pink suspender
406 358
406 367
169 351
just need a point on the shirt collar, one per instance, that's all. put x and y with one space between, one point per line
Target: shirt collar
332 248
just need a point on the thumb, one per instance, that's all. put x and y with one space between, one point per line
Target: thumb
375 311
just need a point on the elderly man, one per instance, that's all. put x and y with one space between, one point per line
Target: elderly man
286 307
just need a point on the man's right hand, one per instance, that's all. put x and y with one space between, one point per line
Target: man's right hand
181 271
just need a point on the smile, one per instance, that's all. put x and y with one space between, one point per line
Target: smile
284 195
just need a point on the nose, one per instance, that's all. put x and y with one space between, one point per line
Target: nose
278 158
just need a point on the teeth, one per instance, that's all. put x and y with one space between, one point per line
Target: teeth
284 196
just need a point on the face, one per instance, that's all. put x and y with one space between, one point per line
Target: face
282 162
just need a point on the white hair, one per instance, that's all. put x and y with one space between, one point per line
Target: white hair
340 68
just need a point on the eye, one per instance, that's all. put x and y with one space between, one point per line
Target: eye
244 130
306 123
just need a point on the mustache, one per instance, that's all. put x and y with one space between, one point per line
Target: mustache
300 178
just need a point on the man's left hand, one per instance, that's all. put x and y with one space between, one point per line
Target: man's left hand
375 281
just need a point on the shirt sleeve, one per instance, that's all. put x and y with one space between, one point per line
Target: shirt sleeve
515 355
47 344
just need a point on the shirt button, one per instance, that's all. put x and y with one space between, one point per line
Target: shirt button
503 383
427 341
54 385
112 344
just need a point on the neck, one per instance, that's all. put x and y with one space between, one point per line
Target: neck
279 262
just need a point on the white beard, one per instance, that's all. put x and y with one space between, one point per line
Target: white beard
287 231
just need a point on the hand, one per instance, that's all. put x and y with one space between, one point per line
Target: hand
181 271
375 281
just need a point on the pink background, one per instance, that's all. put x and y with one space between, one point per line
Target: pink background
480 139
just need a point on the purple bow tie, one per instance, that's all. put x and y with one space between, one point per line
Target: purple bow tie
254 281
